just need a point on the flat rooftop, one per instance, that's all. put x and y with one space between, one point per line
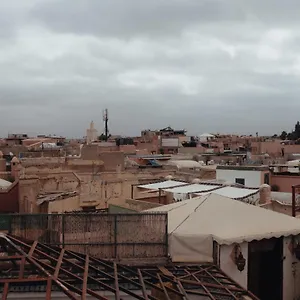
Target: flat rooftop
244 168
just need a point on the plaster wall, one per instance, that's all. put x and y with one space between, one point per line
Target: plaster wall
228 266
9 199
95 189
2 165
64 205
284 182
291 268
29 188
138 205
291 272
281 208
252 178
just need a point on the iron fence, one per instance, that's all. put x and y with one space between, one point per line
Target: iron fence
110 236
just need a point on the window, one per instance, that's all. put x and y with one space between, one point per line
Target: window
240 181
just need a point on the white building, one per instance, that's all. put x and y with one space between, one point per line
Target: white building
252 245
205 137
250 176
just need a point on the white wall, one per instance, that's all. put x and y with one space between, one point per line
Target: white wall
252 178
291 273
291 269
228 266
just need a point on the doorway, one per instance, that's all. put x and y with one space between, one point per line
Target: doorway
265 269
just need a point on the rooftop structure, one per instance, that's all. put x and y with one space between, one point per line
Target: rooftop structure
4 184
186 164
162 185
192 188
184 190
244 168
18 136
193 218
234 192
53 272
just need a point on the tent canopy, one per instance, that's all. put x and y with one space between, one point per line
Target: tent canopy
194 224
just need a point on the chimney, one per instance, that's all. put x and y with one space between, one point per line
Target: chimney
264 194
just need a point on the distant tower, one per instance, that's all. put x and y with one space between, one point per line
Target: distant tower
105 119
91 133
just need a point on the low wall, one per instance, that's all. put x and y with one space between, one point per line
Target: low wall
109 236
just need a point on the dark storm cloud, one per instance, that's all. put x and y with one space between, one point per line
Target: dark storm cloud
208 66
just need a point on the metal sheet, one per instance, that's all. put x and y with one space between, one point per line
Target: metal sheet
162 185
192 188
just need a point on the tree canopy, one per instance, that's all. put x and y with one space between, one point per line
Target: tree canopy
293 135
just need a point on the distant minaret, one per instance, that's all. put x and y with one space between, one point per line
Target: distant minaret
91 133
105 119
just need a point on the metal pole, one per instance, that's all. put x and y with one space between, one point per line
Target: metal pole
106 124
63 229
294 201
116 237
159 195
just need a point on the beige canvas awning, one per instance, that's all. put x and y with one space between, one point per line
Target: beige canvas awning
194 224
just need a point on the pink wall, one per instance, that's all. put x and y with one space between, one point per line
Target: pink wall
128 149
284 182
149 147
290 149
273 148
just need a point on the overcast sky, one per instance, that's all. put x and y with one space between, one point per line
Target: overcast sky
207 66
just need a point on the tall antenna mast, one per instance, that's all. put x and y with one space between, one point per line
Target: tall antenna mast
105 119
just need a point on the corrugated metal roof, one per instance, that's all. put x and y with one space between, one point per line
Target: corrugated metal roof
192 188
162 185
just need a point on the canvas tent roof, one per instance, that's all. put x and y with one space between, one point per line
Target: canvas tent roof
194 224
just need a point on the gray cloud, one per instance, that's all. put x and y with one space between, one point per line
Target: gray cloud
217 65
133 17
